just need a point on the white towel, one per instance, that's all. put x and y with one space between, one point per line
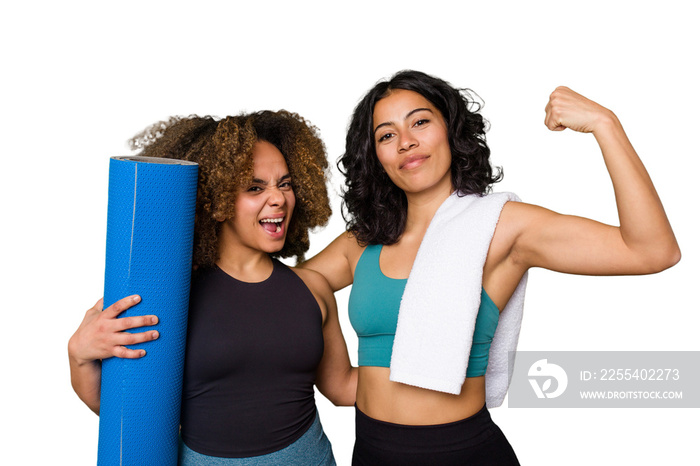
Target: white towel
442 297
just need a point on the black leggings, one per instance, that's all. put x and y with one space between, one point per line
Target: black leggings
475 440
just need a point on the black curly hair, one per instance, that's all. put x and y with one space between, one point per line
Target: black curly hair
374 208
223 148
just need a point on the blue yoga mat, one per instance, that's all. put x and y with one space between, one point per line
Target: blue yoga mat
150 227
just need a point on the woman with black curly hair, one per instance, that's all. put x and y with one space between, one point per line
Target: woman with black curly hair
260 334
439 266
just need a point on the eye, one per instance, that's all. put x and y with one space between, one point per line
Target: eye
385 137
254 189
285 185
421 122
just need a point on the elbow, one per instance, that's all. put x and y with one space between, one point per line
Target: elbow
348 399
673 257
339 399
663 259
343 391
342 397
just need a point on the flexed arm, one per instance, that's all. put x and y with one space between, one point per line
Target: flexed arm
644 241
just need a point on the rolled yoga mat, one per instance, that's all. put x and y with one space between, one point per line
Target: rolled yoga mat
150 228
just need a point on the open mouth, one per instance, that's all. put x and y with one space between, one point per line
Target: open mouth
272 225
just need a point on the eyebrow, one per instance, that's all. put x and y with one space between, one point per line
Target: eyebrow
285 177
415 110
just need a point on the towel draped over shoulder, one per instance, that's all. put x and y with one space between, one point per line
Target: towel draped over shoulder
442 297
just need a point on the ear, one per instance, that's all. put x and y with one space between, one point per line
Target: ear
219 216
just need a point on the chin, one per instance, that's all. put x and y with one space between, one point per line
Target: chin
274 247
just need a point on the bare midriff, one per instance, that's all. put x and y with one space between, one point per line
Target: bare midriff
388 401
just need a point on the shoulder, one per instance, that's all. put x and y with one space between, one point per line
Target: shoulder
517 224
341 247
518 216
316 282
512 214
319 288
510 224
337 261
347 242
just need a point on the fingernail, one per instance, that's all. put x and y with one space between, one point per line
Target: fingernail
154 335
136 299
154 320
143 353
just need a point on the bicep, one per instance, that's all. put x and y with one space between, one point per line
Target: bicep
335 378
335 356
570 244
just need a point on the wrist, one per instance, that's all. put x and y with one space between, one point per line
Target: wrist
607 126
606 121
73 352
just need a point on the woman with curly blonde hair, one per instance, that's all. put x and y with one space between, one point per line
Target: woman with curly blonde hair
260 334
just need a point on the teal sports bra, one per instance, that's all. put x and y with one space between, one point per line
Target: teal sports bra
374 312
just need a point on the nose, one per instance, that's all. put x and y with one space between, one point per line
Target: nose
276 197
407 142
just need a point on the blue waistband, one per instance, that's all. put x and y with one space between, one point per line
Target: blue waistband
313 447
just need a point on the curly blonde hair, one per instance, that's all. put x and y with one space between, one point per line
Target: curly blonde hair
223 148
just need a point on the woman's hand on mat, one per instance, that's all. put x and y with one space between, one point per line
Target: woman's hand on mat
101 334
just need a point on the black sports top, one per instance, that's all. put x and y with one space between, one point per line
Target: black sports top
250 364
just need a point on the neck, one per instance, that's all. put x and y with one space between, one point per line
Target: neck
252 269
422 207
244 264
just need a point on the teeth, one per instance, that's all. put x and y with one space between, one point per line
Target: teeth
275 221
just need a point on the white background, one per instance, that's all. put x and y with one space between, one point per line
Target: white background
79 78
